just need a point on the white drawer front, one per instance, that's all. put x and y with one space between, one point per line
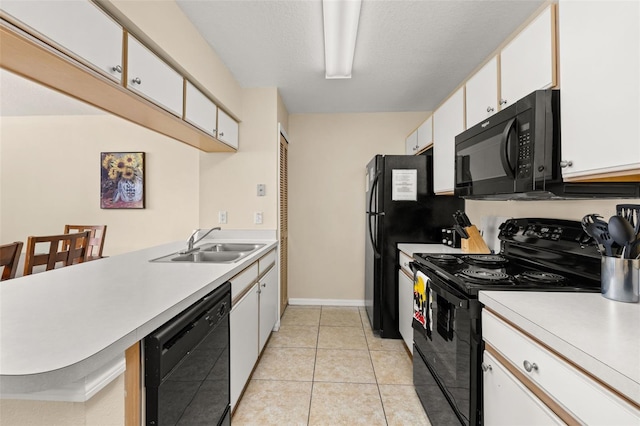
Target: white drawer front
404 263
586 399
245 278
266 261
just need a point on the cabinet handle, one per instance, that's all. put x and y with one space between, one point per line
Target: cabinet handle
117 68
529 366
221 133
136 80
503 101
565 164
264 284
490 109
486 367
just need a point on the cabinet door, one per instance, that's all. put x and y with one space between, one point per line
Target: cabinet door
149 76
482 93
227 129
243 324
600 77
77 26
411 143
528 62
425 134
448 122
200 110
507 401
405 308
268 305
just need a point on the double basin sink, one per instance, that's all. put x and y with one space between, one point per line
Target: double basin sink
212 253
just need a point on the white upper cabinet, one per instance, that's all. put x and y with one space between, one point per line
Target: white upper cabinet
421 138
200 110
151 77
78 27
482 93
227 129
448 122
411 143
528 62
599 54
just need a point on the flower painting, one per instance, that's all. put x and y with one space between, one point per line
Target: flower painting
122 180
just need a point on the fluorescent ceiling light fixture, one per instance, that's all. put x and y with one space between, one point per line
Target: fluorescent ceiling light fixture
340 30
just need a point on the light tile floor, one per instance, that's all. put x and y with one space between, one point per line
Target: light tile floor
325 367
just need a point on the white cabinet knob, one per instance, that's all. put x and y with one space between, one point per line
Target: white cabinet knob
136 80
529 367
117 68
565 164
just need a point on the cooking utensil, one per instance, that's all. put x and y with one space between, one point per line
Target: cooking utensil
622 233
631 212
598 229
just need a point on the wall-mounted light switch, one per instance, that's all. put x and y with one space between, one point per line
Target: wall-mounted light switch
261 189
222 217
257 218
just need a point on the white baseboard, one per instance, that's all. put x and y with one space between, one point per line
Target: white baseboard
326 302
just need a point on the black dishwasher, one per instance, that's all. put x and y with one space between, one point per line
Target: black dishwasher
187 365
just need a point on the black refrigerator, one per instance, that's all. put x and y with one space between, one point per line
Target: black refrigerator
400 208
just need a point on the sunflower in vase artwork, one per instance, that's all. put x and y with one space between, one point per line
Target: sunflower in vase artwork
122 180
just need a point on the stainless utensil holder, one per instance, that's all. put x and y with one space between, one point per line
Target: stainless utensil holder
620 279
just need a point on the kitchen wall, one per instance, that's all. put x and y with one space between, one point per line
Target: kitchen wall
327 158
50 176
228 181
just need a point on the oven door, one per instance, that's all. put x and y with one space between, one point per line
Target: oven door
445 373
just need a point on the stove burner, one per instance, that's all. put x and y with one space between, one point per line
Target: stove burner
483 276
539 277
444 259
485 259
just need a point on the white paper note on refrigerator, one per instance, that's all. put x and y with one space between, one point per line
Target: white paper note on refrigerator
404 185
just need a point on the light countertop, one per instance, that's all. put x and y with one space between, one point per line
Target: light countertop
411 248
62 325
601 336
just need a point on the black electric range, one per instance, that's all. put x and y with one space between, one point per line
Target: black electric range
536 255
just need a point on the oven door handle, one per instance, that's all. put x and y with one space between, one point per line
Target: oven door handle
504 149
447 295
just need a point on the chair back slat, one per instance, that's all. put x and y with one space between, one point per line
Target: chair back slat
9 258
96 238
66 248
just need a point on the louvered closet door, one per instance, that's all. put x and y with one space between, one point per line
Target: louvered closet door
284 222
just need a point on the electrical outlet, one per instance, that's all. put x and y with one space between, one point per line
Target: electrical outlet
261 189
222 217
257 218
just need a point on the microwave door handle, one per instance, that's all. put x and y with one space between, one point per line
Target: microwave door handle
504 149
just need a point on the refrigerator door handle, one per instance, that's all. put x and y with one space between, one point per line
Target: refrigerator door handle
373 214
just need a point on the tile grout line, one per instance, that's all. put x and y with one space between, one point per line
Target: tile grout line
375 375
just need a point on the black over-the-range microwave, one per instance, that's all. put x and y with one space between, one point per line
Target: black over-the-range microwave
515 154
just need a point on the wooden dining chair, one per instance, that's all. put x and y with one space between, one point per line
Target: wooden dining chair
66 248
9 258
96 238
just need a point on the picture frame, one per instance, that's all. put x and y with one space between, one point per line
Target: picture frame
122 180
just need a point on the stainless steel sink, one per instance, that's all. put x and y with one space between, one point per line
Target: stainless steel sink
213 253
223 247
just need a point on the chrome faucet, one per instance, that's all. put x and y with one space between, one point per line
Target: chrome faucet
191 241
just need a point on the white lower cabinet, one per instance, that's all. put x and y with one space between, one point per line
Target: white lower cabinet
507 401
578 396
244 341
405 308
268 305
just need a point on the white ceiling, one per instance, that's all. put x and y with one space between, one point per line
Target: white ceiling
409 54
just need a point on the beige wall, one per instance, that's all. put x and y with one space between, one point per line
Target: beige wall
50 176
164 26
559 209
327 158
229 181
